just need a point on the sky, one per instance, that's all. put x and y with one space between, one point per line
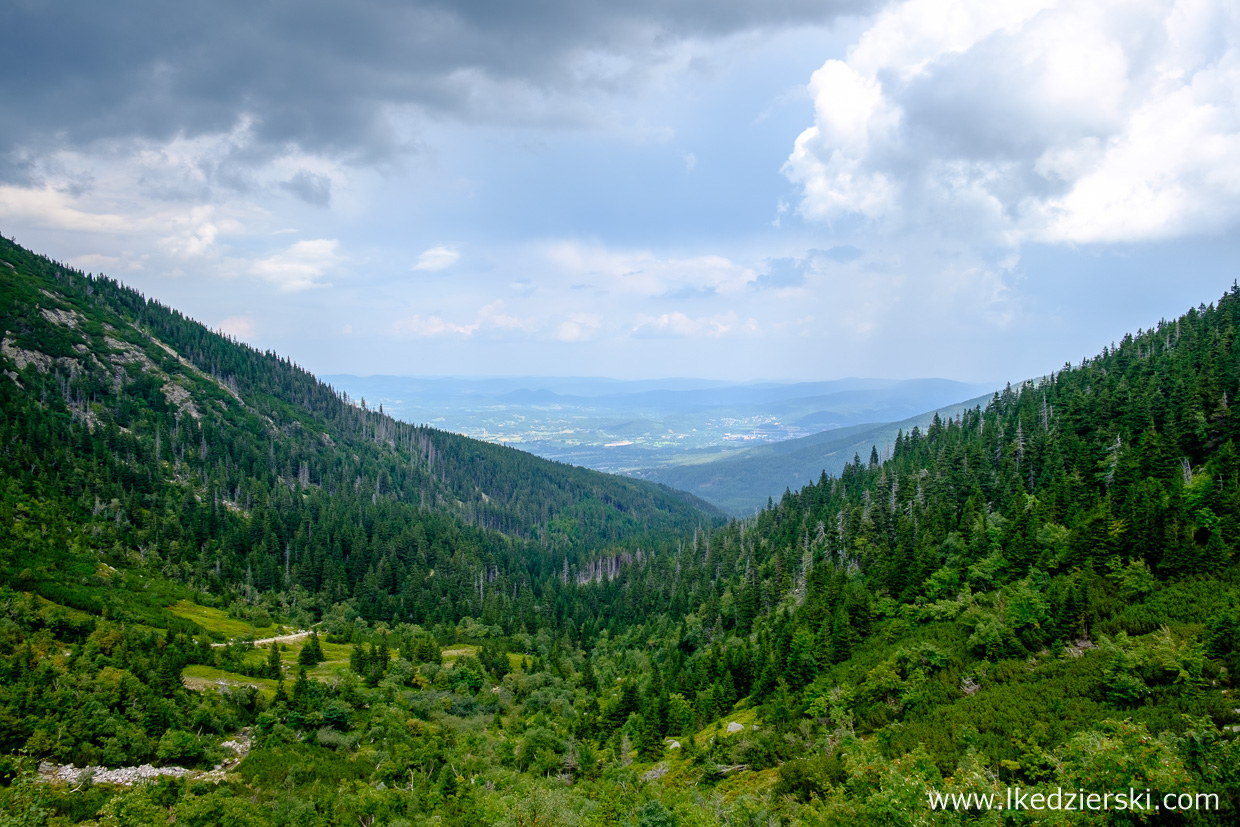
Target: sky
726 189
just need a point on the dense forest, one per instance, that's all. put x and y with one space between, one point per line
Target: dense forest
1038 594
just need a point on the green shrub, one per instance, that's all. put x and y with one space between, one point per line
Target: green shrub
806 778
180 747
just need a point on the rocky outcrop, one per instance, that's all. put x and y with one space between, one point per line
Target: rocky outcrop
65 318
50 773
41 361
123 776
179 397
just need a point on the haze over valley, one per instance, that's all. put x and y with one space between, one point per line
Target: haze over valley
652 429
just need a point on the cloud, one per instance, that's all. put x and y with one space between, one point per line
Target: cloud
781 209
493 317
315 190
194 233
842 253
782 272
300 266
490 317
579 327
181 230
677 325
239 327
1003 123
416 326
100 263
45 207
791 272
437 258
643 273
335 80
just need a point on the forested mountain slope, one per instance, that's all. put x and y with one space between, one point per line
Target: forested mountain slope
1021 589
743 482
147 435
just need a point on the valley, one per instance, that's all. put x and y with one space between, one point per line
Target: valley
687 433
201 542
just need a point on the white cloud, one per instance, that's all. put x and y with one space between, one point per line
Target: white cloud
100 263
852 112
194 233
909 36
579 327
781 209
49 208
489 317
239 327
1031 121
437 258
300 266
677 325
180 201
416 326
642 273
492 316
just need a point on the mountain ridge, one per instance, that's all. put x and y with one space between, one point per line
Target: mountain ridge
742 482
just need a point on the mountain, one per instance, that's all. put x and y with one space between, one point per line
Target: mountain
235 468
1033 605
646 428
742 483
1038 593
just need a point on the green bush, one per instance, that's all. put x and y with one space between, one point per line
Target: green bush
806 778
180 747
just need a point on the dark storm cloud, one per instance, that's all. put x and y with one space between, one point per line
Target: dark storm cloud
319 75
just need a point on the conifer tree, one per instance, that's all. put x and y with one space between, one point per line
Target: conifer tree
311 653
301 690
843 636
274 669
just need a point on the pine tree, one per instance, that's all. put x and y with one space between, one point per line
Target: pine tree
588 681
801 667
311 653
274 668
649 740
843 636
301 690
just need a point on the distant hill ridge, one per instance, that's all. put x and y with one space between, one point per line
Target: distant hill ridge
676 432
743 482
